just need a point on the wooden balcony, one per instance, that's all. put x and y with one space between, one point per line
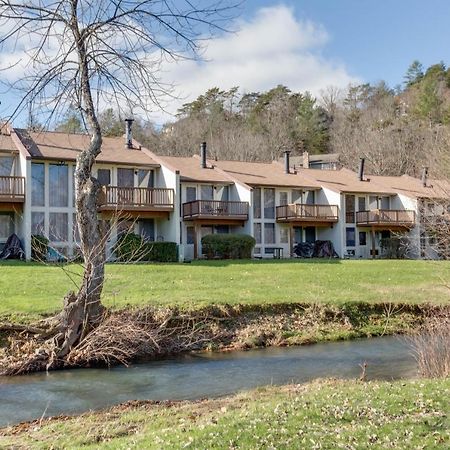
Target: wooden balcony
12 193
386 218
137 202
215 211
308 214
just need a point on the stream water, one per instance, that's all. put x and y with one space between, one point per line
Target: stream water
199 375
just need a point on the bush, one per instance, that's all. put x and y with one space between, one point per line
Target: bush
39 247
132 247
228 246
394 247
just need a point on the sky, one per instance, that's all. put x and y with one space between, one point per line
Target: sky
308 45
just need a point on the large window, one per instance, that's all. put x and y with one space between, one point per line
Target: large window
350 238
269 233
191 194
296 196
6 166
190 235
6 225
283 198
58 227
125 177
385 203
257 232
145 178
38 223
207 192
58 185
284 235
104 177
147 229
350 209
223 193
310 235
37 184
269 203
362 204
309 197
257 203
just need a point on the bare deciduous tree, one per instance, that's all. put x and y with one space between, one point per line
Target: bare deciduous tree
94 54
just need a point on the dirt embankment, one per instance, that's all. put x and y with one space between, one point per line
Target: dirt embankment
134 334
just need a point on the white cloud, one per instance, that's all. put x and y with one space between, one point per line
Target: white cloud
272 48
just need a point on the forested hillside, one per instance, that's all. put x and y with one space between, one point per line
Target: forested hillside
398 130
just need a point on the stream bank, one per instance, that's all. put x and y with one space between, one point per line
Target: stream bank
137 334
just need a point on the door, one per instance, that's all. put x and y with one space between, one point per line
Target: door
125 180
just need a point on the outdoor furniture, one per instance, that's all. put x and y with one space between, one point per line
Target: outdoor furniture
278 253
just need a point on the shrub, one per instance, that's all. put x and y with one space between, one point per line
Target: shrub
132 247
39 247
228 246
394 247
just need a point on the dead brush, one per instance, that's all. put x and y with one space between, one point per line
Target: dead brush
431 345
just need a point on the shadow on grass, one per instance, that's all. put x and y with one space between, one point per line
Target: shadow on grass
255 262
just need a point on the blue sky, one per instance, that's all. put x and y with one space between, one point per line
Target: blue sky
307 45
377 39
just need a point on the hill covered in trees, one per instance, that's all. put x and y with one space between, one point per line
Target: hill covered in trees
398 130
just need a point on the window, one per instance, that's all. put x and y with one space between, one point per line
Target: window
257 250
269 203
309 197
284 235
104 177
207 192
350 209
58 227
190 235
38 223
257 232
268 250
124 227
283 198
125 177
298 234
373 202
58 185
6 166
223 193
310 235
221 229
191 194
385 203
296 196
362 238
350 237
257 203
205 230
6 226
147 229
269 233
37 184
145 178
362 204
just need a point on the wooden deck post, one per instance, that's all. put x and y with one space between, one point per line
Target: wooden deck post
372 233
196 239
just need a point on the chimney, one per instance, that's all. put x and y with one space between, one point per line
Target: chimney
128 133
203 155
424 176
287 168
361 169
305 160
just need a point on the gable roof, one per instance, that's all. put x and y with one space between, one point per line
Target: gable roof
50 145
6 143
265 174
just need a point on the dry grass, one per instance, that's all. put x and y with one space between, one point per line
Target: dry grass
432 345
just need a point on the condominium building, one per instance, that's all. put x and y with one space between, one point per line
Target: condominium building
182 199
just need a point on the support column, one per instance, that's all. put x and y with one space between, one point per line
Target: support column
196 239
372 235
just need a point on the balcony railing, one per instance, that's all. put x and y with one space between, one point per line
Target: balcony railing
307 213
114 197
12 189
215 209
386 217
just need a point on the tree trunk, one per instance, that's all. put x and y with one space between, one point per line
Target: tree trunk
83 311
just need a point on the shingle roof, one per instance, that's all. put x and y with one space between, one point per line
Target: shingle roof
345 180
265 174
413 187
190 170
6 143
65 147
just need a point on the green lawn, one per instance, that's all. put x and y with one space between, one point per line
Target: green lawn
30 289
319 415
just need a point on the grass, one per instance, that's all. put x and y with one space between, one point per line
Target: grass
320 415
28 290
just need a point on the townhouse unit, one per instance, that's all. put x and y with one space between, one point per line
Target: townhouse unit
182 199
